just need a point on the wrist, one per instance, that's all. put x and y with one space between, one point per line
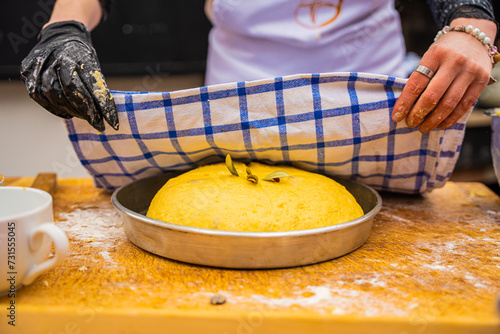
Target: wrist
477 33
463 25
56 29
88 12
486 26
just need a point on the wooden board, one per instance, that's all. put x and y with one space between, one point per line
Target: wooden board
431 265
46 182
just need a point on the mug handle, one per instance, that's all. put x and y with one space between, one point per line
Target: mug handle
61 246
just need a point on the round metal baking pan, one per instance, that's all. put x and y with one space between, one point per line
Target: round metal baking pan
249 250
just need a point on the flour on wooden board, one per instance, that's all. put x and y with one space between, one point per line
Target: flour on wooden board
96 227
102 225
438 266
438 252
339 301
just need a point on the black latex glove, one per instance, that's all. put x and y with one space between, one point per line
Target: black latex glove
63 75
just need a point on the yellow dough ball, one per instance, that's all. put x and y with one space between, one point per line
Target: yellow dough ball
211 197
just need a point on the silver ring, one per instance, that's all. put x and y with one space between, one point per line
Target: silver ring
425 71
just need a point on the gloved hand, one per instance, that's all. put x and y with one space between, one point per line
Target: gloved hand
63 75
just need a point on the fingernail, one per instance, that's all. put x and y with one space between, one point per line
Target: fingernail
397 117
444 126
410 123
423 129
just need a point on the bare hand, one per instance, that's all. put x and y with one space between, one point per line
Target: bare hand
462 69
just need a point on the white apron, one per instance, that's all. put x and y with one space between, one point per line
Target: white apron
257 39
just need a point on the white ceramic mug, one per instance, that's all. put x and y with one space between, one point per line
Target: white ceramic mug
27 231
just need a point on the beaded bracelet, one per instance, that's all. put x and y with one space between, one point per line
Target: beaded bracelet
480 36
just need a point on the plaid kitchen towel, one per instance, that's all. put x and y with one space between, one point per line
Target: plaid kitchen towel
333 123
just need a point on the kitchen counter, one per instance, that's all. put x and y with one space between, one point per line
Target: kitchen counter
431 265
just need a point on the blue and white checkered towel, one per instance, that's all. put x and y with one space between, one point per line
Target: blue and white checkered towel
334 123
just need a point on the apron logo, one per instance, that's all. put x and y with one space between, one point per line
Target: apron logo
315 14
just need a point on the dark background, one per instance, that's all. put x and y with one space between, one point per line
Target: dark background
167 35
